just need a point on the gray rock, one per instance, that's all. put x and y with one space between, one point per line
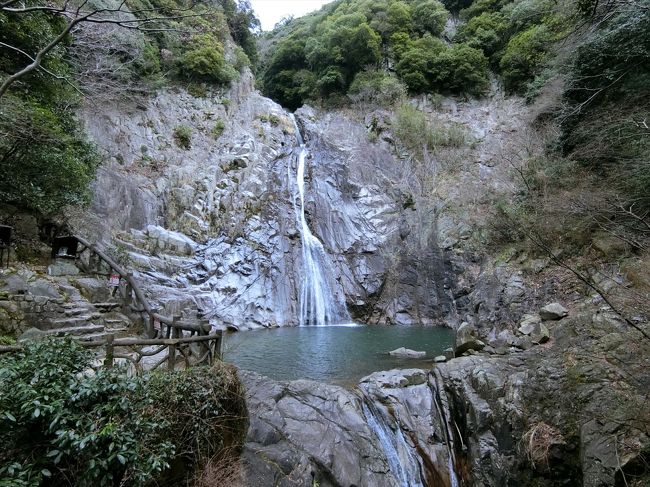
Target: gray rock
43 288
170 240
440 359
467 339
302 428
406 353
63 267
553 311
609 245
94 290
528 322
506 337
14 284
540 334
448 353
32 334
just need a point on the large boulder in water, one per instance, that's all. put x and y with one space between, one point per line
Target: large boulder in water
406 353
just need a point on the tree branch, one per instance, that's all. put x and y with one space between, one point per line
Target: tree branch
40 55
42 68
78 16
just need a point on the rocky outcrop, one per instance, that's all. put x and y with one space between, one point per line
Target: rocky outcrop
306 433
565 413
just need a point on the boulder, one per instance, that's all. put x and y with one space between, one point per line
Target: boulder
448 353
515 289
540 334
553 311
440 359
406 353
528 322
15 284
44 288
506 337
32 334
307 433
63 267
609 245
172 241
467 339
92 289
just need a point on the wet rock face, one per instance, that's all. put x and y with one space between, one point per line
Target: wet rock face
307 433
389 272
211 227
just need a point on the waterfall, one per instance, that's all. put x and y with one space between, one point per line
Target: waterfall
401 461
318 305
441 405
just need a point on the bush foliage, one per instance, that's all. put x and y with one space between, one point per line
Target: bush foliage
67 424
320 57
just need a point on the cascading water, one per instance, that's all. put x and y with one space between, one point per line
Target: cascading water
318 305
402 463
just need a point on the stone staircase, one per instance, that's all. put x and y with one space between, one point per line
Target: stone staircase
34 304
88 321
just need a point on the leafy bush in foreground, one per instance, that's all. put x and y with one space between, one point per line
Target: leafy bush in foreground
64 423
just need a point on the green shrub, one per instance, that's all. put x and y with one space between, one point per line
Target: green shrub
218 128
241 59
429 16
524 56
45 161
78 426
412 129
204 59
375 86
183 136
486 32
461 69
198 90
480 6
417 134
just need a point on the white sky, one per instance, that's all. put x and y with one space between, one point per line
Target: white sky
270 12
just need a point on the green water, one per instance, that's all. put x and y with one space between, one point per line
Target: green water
335 354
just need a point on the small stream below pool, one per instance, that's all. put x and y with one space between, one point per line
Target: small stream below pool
334 354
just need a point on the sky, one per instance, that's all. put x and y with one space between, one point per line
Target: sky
270 12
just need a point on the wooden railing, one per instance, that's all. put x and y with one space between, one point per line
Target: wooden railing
135 300
187 351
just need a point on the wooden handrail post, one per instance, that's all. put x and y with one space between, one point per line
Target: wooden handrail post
108 361
171 358
151 330
128 294
219 347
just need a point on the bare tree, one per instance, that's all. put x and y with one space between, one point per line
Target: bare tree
118 15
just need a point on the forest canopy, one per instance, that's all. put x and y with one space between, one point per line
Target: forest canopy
421 42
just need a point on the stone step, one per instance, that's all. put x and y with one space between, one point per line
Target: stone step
70 312
100 335
76 330
106 307
117 322
79 320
